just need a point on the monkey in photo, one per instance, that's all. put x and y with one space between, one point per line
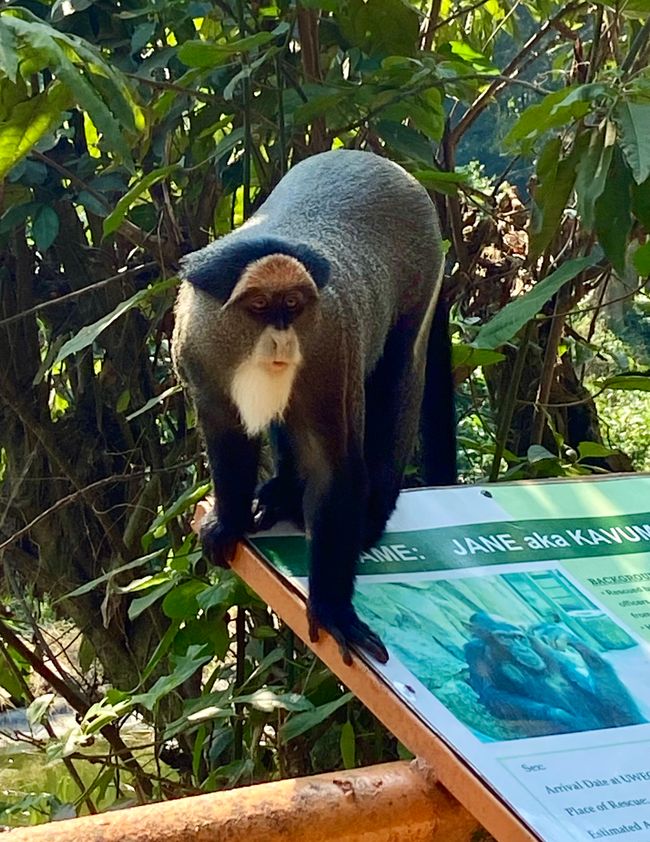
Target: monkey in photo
312 321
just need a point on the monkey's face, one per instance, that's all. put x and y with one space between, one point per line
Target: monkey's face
270 301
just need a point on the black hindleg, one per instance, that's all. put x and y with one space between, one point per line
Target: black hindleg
335 515
438 422
280 498
234 462
392 398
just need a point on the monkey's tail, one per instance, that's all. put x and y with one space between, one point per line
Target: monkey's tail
438 419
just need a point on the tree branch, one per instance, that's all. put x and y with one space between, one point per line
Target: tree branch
508 75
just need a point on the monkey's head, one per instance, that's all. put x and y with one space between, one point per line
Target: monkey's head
267 298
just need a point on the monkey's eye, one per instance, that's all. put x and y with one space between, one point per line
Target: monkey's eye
292 301
258 304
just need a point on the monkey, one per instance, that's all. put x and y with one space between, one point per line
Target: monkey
311 322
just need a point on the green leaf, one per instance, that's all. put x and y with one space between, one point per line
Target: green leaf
268 700
218 595
591 172
45 227
8 53
204 54
61 52
302 722
145 583
89 586
467 356
180 603
613 217
537 453
593 449
440 181
384 27
37 710
514 315
116 217
86 654
406 141
347 743
142 34
161 649
555 110
633 382
641 260
87 335
181 504
167 393
142 603
17 215
184 667
29 122
556 178
641 202
633 120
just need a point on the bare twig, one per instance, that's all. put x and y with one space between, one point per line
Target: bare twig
548 366
76 699
78 292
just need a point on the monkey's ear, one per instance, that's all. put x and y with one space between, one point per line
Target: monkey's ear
217 268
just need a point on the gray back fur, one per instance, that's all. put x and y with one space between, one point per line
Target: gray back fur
375 225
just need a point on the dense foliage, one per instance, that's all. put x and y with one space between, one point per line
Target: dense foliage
134 132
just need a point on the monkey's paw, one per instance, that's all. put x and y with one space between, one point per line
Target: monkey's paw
347 630
217 541
277 500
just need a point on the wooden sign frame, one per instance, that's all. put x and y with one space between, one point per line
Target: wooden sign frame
451 770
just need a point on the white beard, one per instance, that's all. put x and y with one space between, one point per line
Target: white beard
260 392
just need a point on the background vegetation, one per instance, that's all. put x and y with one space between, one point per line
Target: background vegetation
134 132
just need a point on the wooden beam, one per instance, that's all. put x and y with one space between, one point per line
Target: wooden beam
392 802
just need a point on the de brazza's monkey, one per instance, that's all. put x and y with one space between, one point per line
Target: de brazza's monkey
312 319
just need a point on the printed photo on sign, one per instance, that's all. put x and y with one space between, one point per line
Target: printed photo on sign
514 655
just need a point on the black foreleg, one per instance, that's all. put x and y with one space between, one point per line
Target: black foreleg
438 422
233 461
336 518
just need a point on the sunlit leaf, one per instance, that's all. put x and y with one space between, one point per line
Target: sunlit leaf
87 335
508 321
172 390
37 710
555 110
114 219
139 605
29 122
632 382
130 565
